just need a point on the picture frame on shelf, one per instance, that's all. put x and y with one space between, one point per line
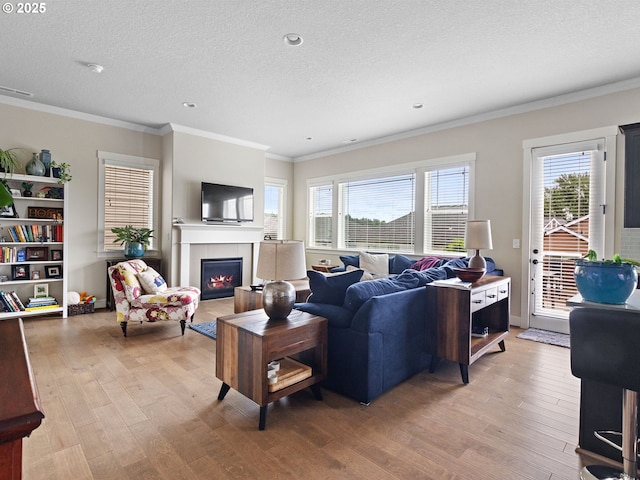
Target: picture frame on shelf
20 272
37 253
8 211
56 255
35 275
48 213
15 192
41 290
52 271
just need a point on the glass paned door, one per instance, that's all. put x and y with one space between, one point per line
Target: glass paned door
567 219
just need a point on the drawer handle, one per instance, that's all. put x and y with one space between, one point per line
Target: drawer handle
503 291
492 296
477 301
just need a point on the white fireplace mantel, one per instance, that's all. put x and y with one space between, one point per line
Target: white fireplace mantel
203 234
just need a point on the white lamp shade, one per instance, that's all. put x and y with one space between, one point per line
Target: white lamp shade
478 235
281 260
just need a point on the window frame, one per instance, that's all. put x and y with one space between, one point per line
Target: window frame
418 168
282 184
118 159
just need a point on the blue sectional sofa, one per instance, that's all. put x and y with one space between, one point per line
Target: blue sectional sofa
377 329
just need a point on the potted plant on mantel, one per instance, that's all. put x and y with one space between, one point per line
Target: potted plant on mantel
606 281
135 240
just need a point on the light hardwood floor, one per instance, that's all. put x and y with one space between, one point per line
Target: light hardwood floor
145 407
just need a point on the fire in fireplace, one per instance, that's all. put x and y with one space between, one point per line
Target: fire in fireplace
219 276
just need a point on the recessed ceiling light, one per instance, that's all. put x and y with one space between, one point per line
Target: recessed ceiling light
292 39
95 68
417 106
309 138
351 140
189 105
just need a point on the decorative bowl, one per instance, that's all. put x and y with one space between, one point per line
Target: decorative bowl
469 274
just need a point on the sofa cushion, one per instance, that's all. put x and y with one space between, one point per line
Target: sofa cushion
423 277
399 263
331 288
336 316
375 263
353 260
360 292
151 281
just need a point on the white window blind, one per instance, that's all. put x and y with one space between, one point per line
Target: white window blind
378 213
320 215
446 209
128 199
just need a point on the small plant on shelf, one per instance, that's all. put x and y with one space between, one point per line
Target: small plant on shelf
61 171
8 162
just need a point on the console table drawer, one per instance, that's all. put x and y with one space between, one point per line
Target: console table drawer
478 301
503 291
491 295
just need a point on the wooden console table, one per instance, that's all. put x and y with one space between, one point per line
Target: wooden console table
20 410
248 341
453 313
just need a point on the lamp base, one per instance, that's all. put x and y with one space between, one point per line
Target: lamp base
477 261
278 298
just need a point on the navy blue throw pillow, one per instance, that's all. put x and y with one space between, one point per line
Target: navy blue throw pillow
353 260
331 289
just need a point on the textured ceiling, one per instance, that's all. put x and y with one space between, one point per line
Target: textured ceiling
362 66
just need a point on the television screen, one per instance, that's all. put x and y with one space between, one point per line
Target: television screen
226 203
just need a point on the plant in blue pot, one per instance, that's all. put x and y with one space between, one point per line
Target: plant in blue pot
606 281
135 240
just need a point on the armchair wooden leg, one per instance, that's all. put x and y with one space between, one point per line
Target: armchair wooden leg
123 325
183 323
192 317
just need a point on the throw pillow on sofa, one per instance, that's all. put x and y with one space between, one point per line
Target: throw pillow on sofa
378 264
331 288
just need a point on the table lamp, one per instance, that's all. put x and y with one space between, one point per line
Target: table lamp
477 237
279 261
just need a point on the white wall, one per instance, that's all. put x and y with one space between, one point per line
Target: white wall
499 166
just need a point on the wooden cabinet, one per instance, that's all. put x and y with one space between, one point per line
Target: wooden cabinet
33 233
453 312
247 342
631 175
20 410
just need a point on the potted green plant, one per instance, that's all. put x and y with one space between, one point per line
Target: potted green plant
8 160
606 281
61 171
135 240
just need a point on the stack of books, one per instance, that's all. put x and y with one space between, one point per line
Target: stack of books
41 303
10 302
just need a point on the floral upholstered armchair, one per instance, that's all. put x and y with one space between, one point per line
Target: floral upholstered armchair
141 295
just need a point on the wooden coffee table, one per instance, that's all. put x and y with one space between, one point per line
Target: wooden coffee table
245 299
248 341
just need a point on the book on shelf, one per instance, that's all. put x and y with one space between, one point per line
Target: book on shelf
452 282
41 307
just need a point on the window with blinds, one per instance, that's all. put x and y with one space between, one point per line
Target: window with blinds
126 196
378 214
321 215
274 212
446 200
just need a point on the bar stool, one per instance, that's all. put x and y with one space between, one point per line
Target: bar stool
605 348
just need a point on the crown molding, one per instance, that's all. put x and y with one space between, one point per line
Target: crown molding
65 112
215 136
483 117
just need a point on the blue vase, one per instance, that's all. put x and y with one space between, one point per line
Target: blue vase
45 158
602 282
133 250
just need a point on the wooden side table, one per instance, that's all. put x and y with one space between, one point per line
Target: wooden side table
247 342
323 268
245 299
454 311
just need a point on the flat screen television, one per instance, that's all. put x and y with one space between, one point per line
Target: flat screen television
226 203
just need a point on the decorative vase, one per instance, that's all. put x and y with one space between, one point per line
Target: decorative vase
603 282
35 166
133 250
27 193
45 158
